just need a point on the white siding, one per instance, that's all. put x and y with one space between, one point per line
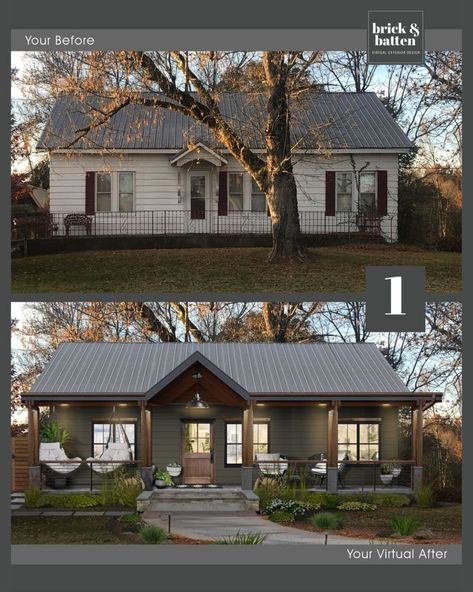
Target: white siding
161 187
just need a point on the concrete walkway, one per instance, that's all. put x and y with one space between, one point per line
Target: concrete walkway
215 525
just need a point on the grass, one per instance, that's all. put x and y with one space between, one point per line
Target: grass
57 530
327 521
333 269
240 538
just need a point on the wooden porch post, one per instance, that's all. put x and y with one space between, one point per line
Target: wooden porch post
145 440
247 434
332 435
33 435
417 434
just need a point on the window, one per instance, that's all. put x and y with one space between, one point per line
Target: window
258 198
197 437
344 192
359 439
102 433
234 441
125 192
104 192
115 192
235 192
367 192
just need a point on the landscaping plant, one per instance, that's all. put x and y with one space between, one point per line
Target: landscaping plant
242 538
357 507
326 521
298 509
152 534
51 431
281 516
425 497
33 496
164 476
404 525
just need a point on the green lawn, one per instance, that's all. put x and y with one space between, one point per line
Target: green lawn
57 530
332 269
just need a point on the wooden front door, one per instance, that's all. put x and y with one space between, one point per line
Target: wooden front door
198 191
197 452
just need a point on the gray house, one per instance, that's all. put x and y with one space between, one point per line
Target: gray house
222 410
154 171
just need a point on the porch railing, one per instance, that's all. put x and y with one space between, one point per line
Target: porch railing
176 222
381 475
79 478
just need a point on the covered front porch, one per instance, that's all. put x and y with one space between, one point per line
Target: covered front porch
227 437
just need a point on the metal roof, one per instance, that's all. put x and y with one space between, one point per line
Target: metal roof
319 120
134 368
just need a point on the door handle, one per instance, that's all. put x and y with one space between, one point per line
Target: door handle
211 458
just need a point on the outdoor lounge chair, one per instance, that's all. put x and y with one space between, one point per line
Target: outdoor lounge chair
320 469
268 469
53 451
114 451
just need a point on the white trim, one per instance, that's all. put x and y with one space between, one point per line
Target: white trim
192 149
114 191
111 151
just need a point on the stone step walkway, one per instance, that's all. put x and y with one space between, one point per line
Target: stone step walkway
214 525
17 501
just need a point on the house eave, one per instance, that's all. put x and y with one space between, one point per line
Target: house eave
174 151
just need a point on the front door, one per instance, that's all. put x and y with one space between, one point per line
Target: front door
198 191
197 452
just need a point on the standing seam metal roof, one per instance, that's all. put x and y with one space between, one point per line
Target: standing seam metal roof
134 368
329 120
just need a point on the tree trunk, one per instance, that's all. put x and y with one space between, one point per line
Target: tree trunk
281 190
282 201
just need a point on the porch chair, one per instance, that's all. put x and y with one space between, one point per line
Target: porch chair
320 469
268 469
114 451
53 451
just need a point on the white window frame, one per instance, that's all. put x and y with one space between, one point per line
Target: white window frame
336 190
229 210
115 191
375 173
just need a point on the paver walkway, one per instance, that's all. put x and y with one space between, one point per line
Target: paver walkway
215 525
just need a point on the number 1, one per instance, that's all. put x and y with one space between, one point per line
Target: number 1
396 295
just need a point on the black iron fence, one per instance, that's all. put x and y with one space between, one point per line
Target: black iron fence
176 222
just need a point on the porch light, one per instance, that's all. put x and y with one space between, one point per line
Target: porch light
197 403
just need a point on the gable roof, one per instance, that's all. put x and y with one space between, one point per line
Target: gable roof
335 121
95 369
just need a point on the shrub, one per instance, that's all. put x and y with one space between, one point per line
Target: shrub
130 518
425 497
121 487
71 501
281 516
33 496
329 501
152 534
326 520
390 500
404 525
51 431
240 538
356 507
297 509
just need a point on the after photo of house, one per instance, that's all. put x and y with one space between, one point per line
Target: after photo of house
297 168
233 423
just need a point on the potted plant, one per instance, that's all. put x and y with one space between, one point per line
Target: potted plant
174 468
386 475
396 471
162 479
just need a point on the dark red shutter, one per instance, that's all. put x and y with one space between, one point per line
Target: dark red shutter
222 194
382 193
90 193
329 193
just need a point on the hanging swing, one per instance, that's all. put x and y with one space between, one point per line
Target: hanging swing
114 451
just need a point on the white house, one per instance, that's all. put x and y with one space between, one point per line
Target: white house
154 171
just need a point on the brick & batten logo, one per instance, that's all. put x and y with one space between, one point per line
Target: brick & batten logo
396 36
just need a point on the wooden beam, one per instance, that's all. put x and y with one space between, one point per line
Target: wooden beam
33 436
247 435
417 434
149 433
332 434
145 435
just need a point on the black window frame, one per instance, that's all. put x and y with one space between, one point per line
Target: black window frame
359 423
105 421
239 422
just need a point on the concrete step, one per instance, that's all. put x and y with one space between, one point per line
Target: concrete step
188 500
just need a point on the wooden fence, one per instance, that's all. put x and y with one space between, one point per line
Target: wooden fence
19 463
